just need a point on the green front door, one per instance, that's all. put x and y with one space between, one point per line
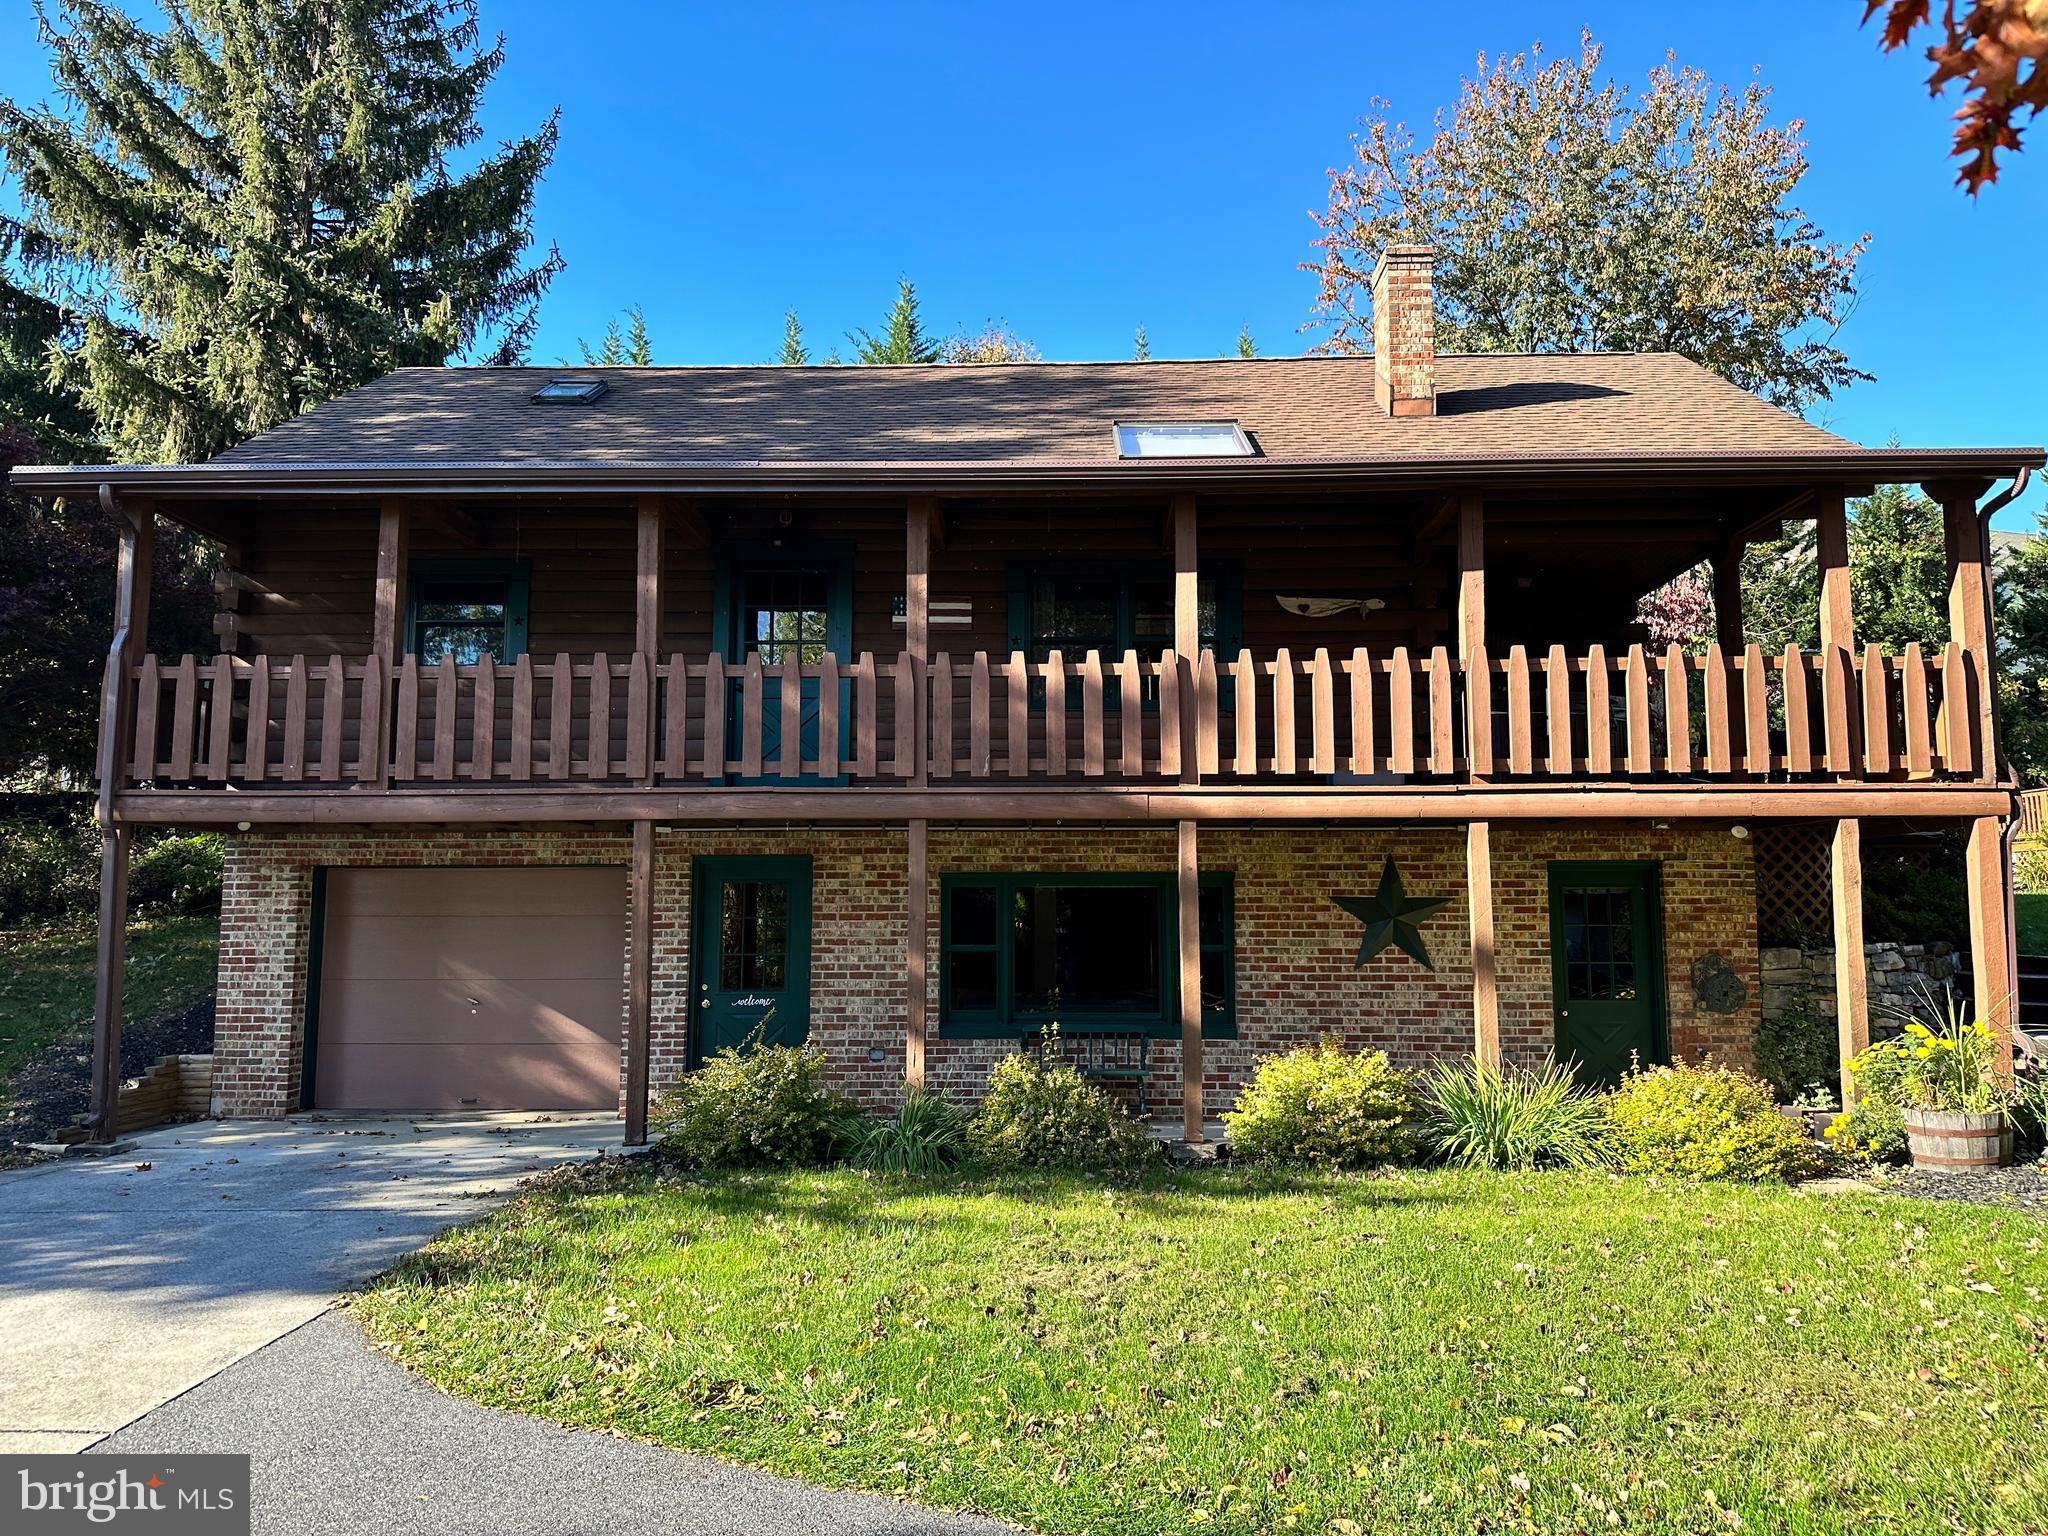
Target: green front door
753 954
1607 967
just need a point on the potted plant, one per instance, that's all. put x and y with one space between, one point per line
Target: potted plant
1956 1103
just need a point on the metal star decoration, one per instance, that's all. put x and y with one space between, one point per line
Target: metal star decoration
1392 917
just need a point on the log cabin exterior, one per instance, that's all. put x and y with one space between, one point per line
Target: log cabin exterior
570 724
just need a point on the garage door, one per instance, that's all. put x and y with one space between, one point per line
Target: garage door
470 989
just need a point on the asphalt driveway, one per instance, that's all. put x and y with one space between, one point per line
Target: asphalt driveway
343 1442
126 1280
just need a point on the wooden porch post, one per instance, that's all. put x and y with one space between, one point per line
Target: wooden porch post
1991 944
1190 913
1728 598
1852 988
1471 576
134 563
1187 647
1969 605
394 533
1831 549
650 562
916 907
921 513
1485 983
640 983
1478 834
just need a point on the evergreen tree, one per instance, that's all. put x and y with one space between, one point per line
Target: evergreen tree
30 327
793 353
255 208
1143 352
621 349
1246 347
902 340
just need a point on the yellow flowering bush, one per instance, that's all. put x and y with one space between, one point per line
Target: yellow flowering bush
1324 1104
1708 1122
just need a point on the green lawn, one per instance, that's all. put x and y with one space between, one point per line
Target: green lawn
46 981
1421 1352
2030 916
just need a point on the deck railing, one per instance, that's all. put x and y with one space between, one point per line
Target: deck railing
1362 718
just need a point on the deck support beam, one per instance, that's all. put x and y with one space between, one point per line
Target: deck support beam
640 983
1969 605
1991 940
1485 983
1189 911
387 623
1831 552
916 941
1187 631
1728 597
1471 575
1852 987
134 564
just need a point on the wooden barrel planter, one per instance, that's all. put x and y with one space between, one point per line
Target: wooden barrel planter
1947 1139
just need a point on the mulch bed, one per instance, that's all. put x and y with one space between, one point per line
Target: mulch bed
2023 1186
55 1088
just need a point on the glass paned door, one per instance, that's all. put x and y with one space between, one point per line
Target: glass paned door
782 607
1607 968
752 942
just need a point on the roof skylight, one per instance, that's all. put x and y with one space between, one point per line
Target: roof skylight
569 391
1181 440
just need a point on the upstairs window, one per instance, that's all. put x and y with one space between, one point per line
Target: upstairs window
784 612
1113 608
1181 440
466 609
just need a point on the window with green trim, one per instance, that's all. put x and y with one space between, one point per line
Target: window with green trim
1113 608
466 609
1018 952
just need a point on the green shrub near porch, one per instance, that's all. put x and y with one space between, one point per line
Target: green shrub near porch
1708 1122
1327 1105
1264 1350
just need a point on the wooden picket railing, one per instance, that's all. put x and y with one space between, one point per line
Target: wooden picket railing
1365 718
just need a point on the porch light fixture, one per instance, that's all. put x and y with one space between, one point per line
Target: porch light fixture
1181 440
569 391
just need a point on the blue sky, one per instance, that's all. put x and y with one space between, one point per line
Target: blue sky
1077 169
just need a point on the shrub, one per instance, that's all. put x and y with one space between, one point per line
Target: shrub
2030 865
49 868
762 1108
177 873
1323 1104
1796 1052
927 1135
1707 1122
1039 1115
1478 1116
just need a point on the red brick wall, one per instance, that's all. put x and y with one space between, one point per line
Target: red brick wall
1294 946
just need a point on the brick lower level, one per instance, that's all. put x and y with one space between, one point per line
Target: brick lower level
1294 946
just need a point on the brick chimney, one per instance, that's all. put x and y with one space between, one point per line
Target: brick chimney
1404 331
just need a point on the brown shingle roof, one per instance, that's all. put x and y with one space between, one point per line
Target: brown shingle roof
1319 408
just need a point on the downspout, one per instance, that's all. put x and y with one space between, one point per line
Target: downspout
2022 1041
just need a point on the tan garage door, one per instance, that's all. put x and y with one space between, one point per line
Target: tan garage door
470 989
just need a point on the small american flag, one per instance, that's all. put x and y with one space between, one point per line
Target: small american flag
944 610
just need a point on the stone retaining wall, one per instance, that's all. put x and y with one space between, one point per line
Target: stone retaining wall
1901 978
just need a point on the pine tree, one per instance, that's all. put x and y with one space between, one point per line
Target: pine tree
1143 354
30 325
254 208
793 353
1246 347
627 349
902 340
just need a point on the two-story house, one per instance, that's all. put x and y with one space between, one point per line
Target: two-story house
571 724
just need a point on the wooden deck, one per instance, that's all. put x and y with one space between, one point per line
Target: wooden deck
1358 722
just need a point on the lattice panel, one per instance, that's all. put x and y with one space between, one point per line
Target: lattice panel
1792 887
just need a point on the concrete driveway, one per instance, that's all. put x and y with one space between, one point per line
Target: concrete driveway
126 1280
